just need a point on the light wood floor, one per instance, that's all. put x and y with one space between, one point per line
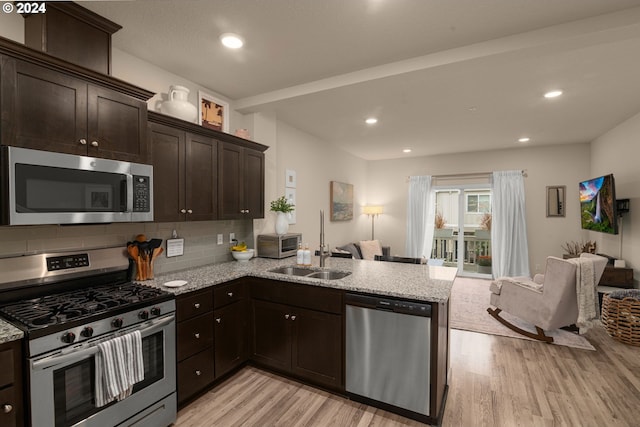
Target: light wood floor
496 381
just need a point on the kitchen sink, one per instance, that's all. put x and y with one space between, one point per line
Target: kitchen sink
293 271
308 272
329 274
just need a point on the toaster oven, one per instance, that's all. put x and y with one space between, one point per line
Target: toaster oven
278 246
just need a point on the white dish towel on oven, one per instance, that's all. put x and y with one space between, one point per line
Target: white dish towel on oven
119 364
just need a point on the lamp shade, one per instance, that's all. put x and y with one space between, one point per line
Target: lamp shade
372 210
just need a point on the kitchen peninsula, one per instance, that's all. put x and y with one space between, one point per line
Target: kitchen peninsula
238 312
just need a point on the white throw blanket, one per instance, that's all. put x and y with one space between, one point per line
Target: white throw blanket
119 365
588 307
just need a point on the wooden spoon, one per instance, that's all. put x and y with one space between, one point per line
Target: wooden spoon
156 252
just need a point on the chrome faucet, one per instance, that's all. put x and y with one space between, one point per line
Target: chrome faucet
324 249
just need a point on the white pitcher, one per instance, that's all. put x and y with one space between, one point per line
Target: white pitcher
178 106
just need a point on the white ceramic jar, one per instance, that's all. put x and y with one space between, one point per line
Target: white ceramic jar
178 106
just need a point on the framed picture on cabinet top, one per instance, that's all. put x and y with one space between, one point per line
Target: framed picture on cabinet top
213 112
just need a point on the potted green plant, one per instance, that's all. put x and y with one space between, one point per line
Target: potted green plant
282 208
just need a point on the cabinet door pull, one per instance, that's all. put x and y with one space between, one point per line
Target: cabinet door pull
198 373
293 317
189 211
219 319
246 211
196 305
83 141
197 335
6 408
230 294
286 316
242 211
183 211
94 143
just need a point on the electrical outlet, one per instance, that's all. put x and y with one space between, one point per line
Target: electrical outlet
220 239
232 237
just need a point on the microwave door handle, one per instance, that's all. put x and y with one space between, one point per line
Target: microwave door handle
81 353
129 192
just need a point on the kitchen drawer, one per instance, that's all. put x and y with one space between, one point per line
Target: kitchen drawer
195 304
227 294
194 335
7 372
8 397
306 296
194 374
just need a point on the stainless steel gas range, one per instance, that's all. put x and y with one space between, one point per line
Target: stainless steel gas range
74 307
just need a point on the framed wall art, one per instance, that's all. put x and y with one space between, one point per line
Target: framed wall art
213 112
341 201
290 195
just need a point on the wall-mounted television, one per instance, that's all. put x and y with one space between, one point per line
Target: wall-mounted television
598 204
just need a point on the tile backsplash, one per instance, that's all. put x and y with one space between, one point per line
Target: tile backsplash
200 239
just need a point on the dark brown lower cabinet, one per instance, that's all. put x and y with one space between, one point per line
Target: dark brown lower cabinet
11 399
305 343
194 374
231 340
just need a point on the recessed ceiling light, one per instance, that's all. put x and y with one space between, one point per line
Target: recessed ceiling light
232 41
553 94
525 139
371 121
406 150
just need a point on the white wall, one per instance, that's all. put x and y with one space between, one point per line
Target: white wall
316 164
545 166
617 152
12 26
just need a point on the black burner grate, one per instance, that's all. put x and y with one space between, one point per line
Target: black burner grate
78 304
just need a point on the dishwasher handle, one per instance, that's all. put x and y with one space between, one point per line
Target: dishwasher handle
388 304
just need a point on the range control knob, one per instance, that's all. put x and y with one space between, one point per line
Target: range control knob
117 322
68 337
87 332
144 315
156 311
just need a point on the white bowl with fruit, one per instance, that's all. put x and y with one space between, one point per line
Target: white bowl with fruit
241 253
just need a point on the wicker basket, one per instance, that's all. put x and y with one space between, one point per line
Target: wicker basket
621 315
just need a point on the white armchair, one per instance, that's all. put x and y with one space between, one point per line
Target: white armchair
548 301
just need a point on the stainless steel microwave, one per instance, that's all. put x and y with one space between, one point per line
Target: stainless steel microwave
41 187
278 246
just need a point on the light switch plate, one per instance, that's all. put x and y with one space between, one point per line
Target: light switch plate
220 239
175 247
232 237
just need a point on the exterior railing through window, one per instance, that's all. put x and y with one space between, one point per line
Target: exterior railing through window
476 253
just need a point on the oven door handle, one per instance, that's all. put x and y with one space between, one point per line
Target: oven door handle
81 352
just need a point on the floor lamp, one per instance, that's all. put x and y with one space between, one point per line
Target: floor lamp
373 212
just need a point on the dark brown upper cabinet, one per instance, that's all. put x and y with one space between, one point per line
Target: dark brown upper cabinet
48 104
184 175
73 33
241 182
185 179
57 112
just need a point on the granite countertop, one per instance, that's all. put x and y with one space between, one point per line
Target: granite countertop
408 281
418 282
8 332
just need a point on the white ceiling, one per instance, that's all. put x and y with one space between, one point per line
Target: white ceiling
442 76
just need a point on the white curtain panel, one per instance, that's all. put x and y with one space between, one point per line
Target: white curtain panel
509 249
420 217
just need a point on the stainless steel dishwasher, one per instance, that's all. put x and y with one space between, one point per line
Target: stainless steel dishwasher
389 351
